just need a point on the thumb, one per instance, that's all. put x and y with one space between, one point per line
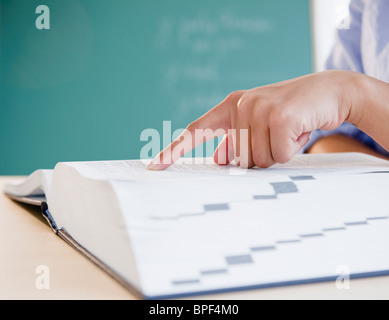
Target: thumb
296 145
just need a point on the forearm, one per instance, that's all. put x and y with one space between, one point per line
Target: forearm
369 107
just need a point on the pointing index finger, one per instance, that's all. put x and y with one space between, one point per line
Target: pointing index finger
213 124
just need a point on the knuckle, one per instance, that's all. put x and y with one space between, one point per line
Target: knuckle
195 125
281 158
261 160
282 155
286 115
234 96
274 120
279 117
246 103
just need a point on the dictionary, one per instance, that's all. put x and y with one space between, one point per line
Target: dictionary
199 228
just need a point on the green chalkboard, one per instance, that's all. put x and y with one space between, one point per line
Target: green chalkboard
106 70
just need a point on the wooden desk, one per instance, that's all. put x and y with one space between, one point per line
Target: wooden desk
27 242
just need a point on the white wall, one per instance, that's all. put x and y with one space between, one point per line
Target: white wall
327 15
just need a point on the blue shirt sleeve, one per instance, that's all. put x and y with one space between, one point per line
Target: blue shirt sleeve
346 55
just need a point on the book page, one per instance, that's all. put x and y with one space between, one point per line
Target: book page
199 228
36 185
136 170
289 223
190 184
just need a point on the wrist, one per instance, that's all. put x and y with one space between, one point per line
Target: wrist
369 107
356 97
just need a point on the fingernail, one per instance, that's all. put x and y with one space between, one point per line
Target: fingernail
152 166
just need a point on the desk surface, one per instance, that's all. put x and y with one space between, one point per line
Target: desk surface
27 242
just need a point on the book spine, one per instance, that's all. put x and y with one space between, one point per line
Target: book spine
46 214
73 243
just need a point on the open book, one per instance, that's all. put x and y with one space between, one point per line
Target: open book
202 228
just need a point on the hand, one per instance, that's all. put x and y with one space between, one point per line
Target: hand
269 124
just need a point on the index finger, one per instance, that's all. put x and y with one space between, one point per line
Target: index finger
213 124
